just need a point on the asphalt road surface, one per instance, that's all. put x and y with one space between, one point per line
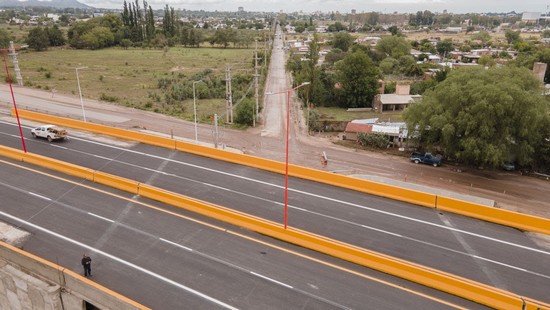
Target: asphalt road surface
493 254
166 258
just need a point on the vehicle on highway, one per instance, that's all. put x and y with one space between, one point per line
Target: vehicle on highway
425 158
50 132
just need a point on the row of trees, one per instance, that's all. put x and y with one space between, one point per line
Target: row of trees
485 118
110 30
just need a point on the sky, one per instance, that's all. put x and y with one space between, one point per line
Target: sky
343 6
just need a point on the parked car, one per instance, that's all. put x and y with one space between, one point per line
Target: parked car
426 158
509 166
50 132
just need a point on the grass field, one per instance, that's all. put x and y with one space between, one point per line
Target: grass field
19 33
338 114
128 76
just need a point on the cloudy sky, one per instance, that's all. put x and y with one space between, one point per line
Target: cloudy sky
385 6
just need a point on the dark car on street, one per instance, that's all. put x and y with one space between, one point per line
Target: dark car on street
425 158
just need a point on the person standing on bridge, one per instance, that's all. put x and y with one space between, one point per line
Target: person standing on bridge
87 264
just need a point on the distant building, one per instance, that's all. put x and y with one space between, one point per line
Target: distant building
393 102
353 11
353 129
530 17
241 9
453 29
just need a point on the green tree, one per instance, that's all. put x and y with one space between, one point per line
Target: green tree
486 61
394 46
98 37
244 112
394 30
388 65
546 33
512 36
38 39
483 36
334 55
483 117
358 78
407 65
336 27
55 36
444 47
342 41
5 38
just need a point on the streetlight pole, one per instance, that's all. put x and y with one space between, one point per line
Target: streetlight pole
195 110
288 93
23 145
80 91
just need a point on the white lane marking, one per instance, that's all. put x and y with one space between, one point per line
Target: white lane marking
231 265
271 280
177 245
294 190
40 196
101 217
59 146
121 261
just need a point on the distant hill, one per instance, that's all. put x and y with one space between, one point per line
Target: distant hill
60 4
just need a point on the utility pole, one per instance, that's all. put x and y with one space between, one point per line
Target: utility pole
216 133
228 96
13 55
256 83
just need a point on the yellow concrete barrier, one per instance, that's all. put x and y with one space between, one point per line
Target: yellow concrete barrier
117 182
97 128
439 280
512 219
58 165
11 153
241 159
495 215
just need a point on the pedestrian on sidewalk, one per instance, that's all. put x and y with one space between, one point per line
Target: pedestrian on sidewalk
87 264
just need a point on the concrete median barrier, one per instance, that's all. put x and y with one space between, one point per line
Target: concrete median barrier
11 153
58 165
499 216
429 277
114 181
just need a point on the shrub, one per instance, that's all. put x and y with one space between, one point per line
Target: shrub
376 140
245 112
108 98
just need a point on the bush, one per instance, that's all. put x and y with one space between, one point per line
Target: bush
108 98
244 113
314 123
376 140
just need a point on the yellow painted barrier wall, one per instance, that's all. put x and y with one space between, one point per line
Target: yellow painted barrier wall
117 182
97 128
11 153
509 218
439 280
495 215
58 165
